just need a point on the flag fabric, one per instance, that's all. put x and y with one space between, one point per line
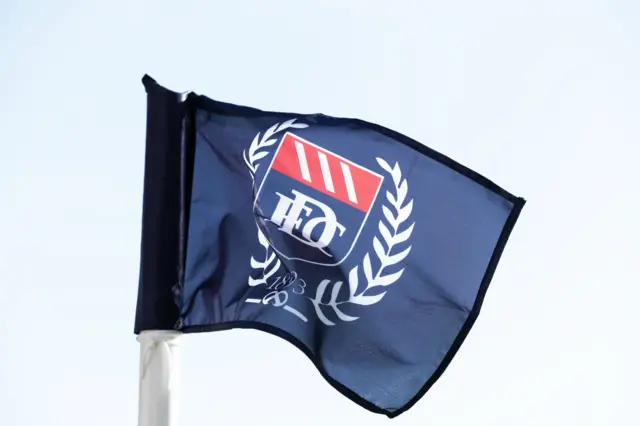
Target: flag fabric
365 249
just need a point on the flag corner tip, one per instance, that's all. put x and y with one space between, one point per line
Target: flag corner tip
148 80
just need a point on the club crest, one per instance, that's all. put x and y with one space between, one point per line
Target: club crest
313 203
311 206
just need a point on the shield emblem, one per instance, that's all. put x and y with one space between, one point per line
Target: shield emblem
312 203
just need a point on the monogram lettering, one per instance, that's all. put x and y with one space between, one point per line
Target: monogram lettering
290 214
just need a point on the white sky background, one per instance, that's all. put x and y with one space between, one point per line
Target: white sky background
542 97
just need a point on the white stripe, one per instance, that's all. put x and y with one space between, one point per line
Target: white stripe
253 300
302 159
326 172
348 180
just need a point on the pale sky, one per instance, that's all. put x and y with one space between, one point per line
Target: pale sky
543 97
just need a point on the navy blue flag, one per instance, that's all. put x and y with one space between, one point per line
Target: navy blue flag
365 249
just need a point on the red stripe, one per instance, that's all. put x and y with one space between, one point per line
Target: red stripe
339 184
314 168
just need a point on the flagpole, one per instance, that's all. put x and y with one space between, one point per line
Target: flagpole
159 378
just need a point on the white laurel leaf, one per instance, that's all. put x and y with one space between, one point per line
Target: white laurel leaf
320 290
299 126
402 192
256 282
405 212
392 200
377 246
390 218
262 239
273 270
367 300
366 263
353 281
254 145
335 292
396 174
286 125
260 155
320 314
342 315
384 165
386 234
269 143
246 161
257 265
397 258
404 235
385 280
270 260
264 265
268 134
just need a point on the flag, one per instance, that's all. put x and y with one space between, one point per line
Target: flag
368 251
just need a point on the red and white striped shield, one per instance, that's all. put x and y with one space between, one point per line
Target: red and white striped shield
314 202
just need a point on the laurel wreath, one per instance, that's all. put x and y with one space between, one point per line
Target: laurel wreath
396 215
252 156
392 236
256 149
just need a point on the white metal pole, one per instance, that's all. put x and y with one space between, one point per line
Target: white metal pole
159 378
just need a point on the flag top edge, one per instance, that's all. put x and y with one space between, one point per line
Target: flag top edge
225 108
